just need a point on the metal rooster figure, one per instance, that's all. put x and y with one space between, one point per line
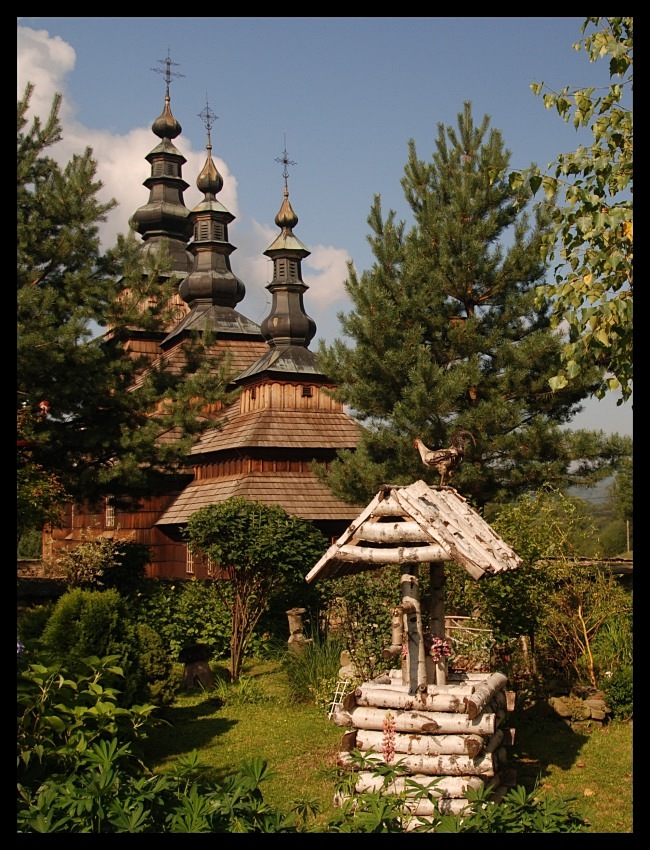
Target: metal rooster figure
445 461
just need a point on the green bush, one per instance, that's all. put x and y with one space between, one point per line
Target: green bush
30 544
99 623
185 613
32 622
613 645
159 684
87 622
619 692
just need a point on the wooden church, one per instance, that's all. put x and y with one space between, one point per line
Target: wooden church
283 419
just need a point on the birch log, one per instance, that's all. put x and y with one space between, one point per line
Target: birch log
437 615
386 697
397 633
457 686
443 786
482 765
414 744
483 693
416 655
400 555
442 723
391 532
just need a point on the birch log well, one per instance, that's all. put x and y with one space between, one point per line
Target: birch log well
414 744
484 693
444 765
429 722
387 697
443 786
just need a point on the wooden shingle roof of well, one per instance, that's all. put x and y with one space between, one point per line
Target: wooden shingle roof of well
412 524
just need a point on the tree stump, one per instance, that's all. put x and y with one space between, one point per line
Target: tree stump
197 667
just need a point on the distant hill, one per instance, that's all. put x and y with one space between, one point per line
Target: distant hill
596 495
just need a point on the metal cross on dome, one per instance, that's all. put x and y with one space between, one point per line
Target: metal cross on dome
167 71
208 117
286 162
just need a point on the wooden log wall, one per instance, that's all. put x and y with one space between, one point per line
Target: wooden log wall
447 738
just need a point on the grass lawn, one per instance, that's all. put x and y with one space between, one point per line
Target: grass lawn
299 742
595 769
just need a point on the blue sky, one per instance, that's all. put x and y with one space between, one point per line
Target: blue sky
345 94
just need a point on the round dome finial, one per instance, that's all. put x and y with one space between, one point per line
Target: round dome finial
166 126
209 181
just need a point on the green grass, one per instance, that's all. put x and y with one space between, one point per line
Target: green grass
297 740
261 717
594 768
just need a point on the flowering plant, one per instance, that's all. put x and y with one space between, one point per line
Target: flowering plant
437 647
388 738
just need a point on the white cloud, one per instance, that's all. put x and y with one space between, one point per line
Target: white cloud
325 272
45 62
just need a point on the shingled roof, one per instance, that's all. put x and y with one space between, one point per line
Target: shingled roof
420 524
300 495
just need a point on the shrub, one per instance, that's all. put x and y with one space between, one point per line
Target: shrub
64 711
87 622
32 622
159 684
613 645
102 564
30 544
619 692
185 613
99 623
78 770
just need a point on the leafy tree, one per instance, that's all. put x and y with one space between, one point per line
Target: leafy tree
622 490
558 603
91 413
591 235
447 334
263 552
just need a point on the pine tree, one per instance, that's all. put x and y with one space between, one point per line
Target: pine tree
86 423
448 335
